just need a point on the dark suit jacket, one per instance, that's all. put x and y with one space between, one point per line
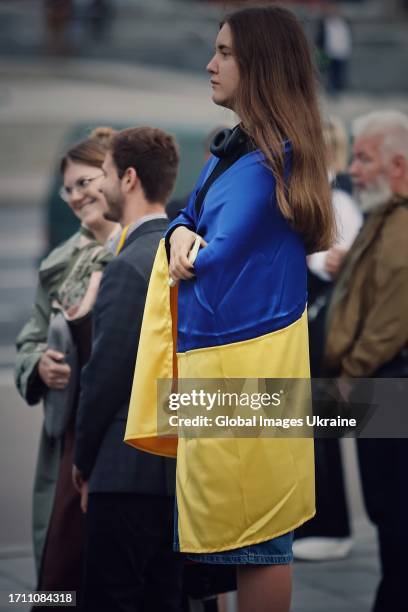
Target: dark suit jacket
106 381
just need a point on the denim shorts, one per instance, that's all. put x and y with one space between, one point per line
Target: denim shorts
277 551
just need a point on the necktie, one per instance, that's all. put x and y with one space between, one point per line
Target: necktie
122 239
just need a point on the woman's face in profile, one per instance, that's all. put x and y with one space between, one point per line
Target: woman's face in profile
223 69
80 191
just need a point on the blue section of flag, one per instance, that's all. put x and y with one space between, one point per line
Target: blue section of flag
251 278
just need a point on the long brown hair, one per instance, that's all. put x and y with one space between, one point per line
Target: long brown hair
277 101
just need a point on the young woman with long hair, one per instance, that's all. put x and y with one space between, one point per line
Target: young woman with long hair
261 204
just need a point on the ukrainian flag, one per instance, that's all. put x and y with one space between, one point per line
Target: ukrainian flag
243 316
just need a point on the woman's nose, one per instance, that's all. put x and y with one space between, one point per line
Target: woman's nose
212 65
76 197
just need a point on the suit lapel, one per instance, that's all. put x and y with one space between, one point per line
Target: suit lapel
154 225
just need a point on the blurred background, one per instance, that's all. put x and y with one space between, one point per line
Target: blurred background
68 65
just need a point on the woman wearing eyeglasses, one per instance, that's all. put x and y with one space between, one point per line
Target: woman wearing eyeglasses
46 370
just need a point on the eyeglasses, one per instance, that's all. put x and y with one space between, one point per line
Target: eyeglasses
80 186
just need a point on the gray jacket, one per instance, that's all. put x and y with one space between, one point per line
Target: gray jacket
106 381
31 343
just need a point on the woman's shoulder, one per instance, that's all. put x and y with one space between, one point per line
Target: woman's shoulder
249 176
61 254
100 256
255 160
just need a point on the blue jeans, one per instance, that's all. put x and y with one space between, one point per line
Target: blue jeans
277 551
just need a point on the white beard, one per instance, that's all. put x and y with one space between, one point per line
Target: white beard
373 195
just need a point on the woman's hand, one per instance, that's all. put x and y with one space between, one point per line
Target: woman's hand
52 371
181 241
334 260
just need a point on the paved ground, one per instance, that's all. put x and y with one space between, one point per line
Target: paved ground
341 586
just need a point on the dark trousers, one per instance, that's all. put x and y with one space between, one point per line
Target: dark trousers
383 467
129 562
332 517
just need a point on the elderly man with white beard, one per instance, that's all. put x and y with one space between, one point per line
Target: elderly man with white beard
367 328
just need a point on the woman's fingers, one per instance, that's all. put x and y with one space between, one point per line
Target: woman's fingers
54 355
180 267
183 266
181 243
180 273
52 370
57 384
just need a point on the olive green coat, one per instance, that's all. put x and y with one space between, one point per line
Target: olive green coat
31 343
368 313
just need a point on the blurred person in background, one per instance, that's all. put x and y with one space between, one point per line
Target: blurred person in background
68 283
335 44
338 153
367 328
324 266
327 535
58 16
100 15
129 563
92 20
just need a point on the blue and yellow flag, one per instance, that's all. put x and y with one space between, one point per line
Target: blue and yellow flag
243 316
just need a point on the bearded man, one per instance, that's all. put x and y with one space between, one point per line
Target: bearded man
367 328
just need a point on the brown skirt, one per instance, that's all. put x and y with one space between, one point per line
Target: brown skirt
62 561
61 568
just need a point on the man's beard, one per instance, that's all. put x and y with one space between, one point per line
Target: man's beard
373 195
115 208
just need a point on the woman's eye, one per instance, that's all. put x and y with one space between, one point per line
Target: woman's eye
84 182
